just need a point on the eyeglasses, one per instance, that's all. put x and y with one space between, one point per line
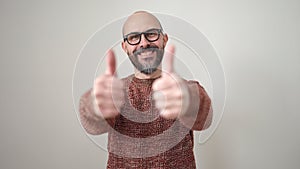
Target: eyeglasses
134 38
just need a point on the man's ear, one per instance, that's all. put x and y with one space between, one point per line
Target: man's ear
166 38
124 47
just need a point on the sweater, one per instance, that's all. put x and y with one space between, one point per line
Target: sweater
139 138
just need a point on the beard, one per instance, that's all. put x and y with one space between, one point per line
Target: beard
147 60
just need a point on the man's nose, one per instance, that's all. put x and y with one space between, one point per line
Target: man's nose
144 42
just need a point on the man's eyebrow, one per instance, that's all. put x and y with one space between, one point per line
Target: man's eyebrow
133 33
141 32
125 36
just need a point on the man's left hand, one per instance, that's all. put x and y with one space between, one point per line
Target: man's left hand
171 94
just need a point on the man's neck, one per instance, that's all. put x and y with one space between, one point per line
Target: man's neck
153 75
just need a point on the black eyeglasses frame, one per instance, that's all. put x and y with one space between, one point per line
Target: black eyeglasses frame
125 38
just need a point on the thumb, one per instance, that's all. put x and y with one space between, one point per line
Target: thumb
110 62
169 58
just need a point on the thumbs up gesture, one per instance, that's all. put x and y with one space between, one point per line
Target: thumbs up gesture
108 90
171 94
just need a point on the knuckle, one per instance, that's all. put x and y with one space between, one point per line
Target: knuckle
99 80
178 94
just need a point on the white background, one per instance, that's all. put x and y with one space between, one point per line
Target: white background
258 45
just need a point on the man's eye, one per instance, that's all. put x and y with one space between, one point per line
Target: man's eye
133 37
151 34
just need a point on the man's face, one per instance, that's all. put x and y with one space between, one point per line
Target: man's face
146 55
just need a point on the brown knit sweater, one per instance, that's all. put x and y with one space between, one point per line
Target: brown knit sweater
139 138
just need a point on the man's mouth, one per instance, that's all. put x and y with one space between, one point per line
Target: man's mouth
148 54
145 51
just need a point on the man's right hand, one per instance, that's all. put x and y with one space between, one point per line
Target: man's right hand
108 90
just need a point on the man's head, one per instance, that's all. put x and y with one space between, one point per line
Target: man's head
144 41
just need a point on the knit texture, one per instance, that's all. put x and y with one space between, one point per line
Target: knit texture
139 138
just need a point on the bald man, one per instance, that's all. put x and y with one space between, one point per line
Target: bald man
150 115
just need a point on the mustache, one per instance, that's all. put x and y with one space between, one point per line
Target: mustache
141 50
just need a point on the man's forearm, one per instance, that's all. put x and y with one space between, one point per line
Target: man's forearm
199 114
92 123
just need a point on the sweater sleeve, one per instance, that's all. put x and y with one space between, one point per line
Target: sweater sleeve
199 113
92 123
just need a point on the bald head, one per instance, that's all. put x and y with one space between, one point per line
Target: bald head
140 21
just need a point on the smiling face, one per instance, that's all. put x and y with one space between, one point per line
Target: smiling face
146 56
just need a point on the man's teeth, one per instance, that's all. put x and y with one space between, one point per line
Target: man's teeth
146 52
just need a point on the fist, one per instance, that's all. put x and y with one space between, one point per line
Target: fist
171 94
108 90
